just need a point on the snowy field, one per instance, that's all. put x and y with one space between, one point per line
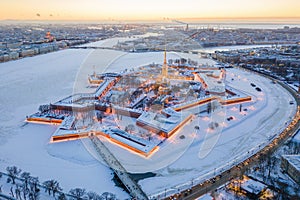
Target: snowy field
29 82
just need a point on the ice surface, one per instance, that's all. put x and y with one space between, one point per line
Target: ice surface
27 83
24 85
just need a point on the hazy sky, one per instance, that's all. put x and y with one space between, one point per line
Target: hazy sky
145 9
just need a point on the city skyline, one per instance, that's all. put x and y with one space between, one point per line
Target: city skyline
116 10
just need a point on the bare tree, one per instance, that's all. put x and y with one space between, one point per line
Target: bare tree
93 196
25 191
47 185
52 185
13 173
78 193
62 196
26 177
18 191
56 188
108 196
33 183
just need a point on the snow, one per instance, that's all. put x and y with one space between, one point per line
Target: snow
30 82
67 123
27 83
5 187
136 142
162 123
114 41
24 85
267 115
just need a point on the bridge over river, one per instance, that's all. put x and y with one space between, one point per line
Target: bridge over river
131 185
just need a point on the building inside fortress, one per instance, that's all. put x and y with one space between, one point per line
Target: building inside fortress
140 109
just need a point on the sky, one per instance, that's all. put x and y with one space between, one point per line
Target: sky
146 10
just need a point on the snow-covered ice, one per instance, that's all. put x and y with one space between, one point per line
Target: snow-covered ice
24 85
29 82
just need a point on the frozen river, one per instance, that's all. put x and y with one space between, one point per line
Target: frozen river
27 83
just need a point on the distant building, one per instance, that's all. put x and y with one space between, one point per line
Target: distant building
6 57
14 45
26 52
291 165
13 55
227 57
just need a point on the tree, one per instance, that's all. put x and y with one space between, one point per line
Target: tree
26 177
52 185
93 196
56 188
18 191
33 183
108 196
25 191
78 193
34 195
62 196
47 186
13 173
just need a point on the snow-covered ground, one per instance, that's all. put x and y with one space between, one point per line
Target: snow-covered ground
29 82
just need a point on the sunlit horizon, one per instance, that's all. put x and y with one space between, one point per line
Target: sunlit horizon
155 10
